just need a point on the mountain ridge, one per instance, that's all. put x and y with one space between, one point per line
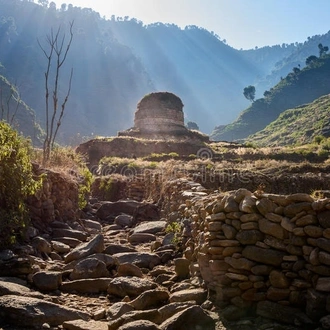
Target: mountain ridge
117 62
297 88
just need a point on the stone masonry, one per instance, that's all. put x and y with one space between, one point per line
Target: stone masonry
259 254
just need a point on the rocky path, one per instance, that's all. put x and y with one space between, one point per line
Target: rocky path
109 270
117 267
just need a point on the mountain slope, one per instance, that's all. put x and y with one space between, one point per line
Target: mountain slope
299 87
297 126
16 112
116 62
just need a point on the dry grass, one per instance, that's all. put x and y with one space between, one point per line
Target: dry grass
62 159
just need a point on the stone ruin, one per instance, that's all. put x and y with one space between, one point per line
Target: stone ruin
159 115
158 129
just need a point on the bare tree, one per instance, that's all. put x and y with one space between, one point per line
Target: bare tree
56 54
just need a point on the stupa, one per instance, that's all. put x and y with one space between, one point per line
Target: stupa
159 115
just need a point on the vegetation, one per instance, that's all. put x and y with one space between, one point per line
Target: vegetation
322 49
17 182
128 62
302 125
72 166
192 125
297 88
249 92
109 188
16 112
176 229
116 50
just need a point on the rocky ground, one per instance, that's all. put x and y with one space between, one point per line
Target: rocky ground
117 267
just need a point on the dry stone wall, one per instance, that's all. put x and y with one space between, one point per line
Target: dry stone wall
257 251
56 200
259 254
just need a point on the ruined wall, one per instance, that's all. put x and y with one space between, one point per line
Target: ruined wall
95 149
261 254
57 200
253 249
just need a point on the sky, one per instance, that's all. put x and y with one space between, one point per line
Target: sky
243 24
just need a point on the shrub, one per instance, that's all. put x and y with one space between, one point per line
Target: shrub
173 154
318 139
110 188
71 164
84 187
176 229
17 182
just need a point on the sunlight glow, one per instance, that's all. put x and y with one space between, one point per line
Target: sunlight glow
243 23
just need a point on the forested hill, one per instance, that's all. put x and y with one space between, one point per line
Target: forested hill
299 87
117 61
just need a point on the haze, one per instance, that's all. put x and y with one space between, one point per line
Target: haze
242 23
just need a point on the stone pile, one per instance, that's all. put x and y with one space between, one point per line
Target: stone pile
263 254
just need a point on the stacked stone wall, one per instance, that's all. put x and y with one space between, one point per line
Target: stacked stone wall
58 199
257 251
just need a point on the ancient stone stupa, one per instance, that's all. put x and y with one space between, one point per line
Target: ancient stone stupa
159 115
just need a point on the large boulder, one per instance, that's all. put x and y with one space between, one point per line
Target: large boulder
14 286
85 325
89 268
127 269
35 312
139 325
118 248
47 280
152 227
129 286
140 259
89 285
150 299
193 317
71 233
151 315
198 295
139 238
95 245
124 220
118 309
115 208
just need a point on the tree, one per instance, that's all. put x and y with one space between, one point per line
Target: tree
192 125
250 92
322 50
56 54
267 93
43 2
296 70
311 59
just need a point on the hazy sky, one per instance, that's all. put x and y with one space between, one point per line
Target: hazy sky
243 23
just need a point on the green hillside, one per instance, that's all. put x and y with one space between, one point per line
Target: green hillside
297 88
301 125
16 112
